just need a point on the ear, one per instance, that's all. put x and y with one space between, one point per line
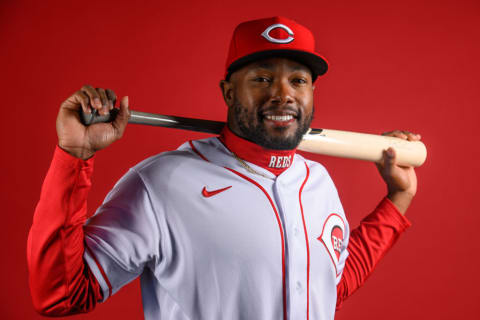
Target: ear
227 92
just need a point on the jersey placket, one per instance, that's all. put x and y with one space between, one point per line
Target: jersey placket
284 195
286 199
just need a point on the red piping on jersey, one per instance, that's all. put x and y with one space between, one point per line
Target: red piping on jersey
306 239
281 235
104 275
284 285
196 151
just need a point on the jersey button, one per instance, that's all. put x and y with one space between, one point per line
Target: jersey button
299 287
296 231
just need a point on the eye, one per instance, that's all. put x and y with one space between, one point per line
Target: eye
262 79
299 81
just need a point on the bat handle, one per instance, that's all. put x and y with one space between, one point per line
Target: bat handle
93 117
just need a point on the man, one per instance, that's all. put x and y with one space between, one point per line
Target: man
231 227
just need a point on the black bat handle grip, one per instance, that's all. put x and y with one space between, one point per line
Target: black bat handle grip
92 118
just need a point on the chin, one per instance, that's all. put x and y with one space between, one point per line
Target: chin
280 142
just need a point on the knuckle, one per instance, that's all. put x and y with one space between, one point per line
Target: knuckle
92 93
80 97
101 94
111 93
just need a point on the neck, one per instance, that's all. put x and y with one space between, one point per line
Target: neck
275 161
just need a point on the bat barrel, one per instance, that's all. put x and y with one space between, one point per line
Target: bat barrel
363 146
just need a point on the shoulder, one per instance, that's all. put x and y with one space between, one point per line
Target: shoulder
173 163
184 153
315 168
319 176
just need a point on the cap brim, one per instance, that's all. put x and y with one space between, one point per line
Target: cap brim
316 63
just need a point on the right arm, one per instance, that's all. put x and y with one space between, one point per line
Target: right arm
60 280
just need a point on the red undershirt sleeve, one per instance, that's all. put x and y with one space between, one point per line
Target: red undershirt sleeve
60 281
368 243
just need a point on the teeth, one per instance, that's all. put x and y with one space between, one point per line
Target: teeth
279 118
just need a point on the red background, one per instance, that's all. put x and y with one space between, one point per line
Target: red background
394 64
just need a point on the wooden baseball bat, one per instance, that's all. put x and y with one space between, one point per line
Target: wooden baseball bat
337 143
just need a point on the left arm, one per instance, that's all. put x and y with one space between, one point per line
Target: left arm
377 233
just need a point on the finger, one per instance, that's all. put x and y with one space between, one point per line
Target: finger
104 99
397 134
112 97
94 97
400 134
413 136
103 96
391 133
76 101
83 100
121 121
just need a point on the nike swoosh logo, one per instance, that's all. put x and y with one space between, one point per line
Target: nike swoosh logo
208 194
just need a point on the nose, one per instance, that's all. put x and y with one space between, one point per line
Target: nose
281 92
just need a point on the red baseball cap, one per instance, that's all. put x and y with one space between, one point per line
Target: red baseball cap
273 37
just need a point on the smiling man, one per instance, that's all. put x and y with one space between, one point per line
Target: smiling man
270 102
238 226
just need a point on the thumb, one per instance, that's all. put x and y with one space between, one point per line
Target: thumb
389 159
387 164
121 120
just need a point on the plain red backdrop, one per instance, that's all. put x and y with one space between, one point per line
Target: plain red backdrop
393 64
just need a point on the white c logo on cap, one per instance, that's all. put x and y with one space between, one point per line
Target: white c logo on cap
266 33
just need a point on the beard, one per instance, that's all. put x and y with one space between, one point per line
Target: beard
251 128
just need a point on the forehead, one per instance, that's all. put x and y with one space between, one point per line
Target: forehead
276 64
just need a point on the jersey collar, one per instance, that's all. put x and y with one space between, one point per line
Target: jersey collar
275 161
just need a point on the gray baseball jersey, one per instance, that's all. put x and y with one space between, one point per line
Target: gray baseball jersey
211 240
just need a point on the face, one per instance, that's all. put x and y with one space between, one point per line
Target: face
270 102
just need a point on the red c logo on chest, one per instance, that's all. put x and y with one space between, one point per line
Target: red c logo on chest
332 238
